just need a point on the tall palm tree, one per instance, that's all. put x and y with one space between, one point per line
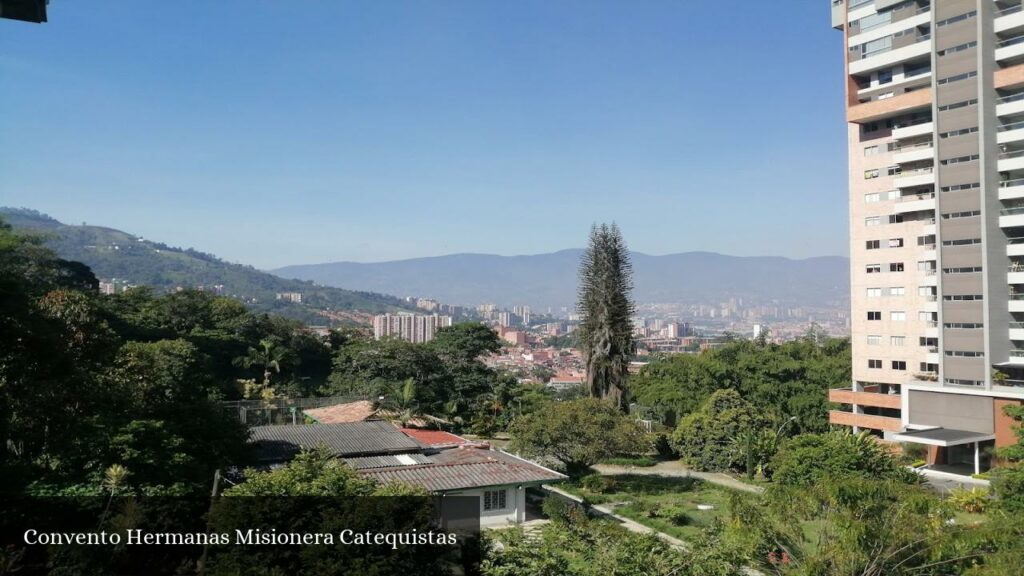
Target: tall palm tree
402 402
606 310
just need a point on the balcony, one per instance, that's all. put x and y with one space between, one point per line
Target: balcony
865 421
1015 275
1015 246
1016 303
915 129
1011 161
1010 49
849 396
915 203
913 153
887 58
885 107
1017 333
1010 189
1009 19
916 177
1011 217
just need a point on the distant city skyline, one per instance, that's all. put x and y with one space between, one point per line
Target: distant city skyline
376 132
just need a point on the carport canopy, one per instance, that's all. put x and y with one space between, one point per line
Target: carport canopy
942 437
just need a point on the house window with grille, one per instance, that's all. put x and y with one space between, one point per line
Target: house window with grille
495 500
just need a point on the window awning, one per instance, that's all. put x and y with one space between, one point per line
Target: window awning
941 437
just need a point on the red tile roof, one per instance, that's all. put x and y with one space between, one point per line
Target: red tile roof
434 438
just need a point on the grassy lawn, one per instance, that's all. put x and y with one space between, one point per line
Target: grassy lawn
666 504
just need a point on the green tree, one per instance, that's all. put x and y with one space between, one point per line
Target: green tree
705 439
810 459
606 331
577 433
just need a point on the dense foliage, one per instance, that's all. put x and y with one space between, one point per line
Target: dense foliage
116 254
130 382
605 332
779 380
810 459
578 433
704 438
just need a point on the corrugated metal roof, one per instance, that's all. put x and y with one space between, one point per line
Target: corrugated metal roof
280 443
390 461
458 469
434 437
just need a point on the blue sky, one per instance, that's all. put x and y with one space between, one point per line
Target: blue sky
284 132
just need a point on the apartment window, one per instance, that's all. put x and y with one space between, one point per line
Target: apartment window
926 240
873 244
495 499
957 78
925 341
897 316
874 292
967 214
869 174
961 132
896 267
895 242
897 291
899 365
874 315
924 291
871 198
955 19
873 268
884 77
926 367
957 48
962 297
956 105
897 340
962 270
874 21
895 218
964 242
910 70
964 354
959 159
872 221
870 150
961 382
874 340
926 316
963 326
876 46
959 187
893 171
876 364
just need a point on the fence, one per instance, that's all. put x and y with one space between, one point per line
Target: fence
281 410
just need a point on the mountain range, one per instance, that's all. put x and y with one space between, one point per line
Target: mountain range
544 280
130 259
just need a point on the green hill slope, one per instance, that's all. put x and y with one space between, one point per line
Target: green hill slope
128 259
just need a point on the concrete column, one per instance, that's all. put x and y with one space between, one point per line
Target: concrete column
977 457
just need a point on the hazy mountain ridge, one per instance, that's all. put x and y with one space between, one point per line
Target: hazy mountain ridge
113 253
550 279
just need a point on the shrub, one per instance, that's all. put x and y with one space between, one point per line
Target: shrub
810 459
974 500
599 484
638 461
918 463
663 447
675 515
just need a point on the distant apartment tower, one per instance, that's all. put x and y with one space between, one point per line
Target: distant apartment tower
412 327
935 112
295 297
107 288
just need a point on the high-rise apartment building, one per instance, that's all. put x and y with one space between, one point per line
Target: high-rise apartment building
415 328
935 112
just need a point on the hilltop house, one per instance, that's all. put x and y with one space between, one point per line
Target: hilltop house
443 463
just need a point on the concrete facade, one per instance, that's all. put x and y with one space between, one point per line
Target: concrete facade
935 112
